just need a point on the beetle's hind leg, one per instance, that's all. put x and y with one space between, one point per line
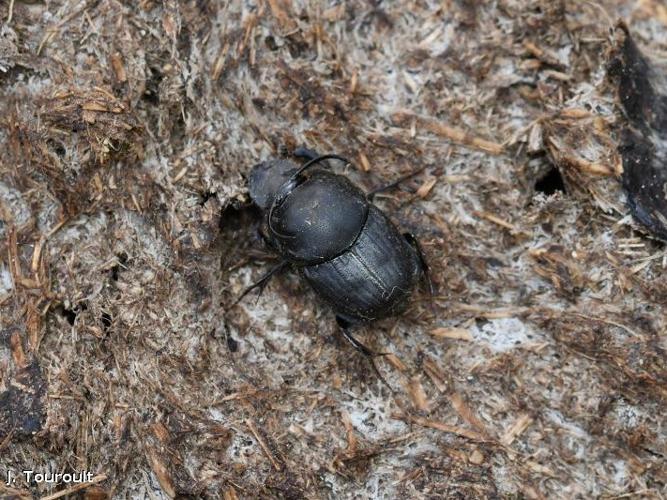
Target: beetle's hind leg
426 270
345 326
263 281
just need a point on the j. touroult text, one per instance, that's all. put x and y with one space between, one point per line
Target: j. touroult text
30 476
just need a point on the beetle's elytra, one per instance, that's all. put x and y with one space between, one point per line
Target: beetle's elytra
349 251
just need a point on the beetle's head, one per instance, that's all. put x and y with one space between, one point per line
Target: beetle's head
267 180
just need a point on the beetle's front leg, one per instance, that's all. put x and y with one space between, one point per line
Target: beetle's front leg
263 281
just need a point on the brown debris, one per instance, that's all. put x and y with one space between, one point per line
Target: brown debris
262 443
436 374
476 457
418 394
426 187
118 67
564 272
448 132
78 487
451 333
519 426
466 413
162 474
440 426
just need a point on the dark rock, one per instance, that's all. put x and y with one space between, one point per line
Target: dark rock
642 93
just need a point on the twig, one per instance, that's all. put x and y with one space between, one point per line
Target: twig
261 442
76 487
441 426
451 133
7 439
517 428
11 11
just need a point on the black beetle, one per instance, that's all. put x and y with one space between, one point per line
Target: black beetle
349 251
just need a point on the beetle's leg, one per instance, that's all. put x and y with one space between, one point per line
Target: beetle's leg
368 353
414 242
305 153
347 335
261 231
393 184
263 281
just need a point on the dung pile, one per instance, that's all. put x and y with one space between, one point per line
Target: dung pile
127 130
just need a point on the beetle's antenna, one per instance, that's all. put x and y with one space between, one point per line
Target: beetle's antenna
317 160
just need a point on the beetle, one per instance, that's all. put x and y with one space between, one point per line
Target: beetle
346 248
